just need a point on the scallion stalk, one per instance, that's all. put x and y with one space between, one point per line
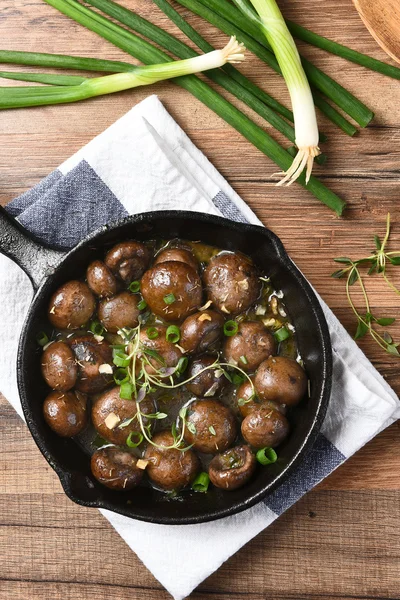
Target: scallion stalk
231 80
343 51
108 84
46 78
231 21
280 39
61 61
146 53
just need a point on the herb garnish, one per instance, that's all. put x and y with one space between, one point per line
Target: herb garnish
377 262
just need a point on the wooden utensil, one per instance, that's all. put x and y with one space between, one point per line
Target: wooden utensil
382 19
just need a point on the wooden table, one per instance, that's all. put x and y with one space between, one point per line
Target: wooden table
341 541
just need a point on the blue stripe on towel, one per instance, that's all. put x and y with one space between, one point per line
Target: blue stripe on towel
74 205
323 458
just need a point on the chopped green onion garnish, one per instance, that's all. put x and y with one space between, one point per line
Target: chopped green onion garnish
201 483
134 287
96 328
230 328
169 299
152 333
131 443
266 456
282 334
173 334
120 359
212 430
126 391
142 305
244 360
182 364
121 376
42 338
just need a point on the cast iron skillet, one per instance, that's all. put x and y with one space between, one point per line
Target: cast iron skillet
49 268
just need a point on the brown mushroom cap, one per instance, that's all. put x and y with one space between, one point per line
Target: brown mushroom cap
119 311
172 290
71 306
59 368
265 427
247 400
232 282
201 331
128 260
170 353
90 355
210 426
281 379
110 411
170 468
65 413
100 279
252 344
116 468
208 383
177 254
233 468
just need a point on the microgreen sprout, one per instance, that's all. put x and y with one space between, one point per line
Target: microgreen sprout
377 262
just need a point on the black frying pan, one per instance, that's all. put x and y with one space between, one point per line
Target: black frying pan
48 269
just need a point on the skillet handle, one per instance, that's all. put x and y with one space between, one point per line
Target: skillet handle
18 244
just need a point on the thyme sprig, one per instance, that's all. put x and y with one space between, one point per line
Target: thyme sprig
134 356
377 262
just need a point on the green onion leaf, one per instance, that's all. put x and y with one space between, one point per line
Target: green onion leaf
139 439
173 334
96 328
120 359
121 376
212 430
201 483
42 338
230 328
282 334
152 333
142 305
266 456
134 287
244 360
126 391
169 299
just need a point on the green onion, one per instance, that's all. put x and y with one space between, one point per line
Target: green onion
42 338
134 287
120 359
130 443
230 20
230 328
201 483
266 456
142 304
244 360
126 391
173 334
121 376
147 53
274 28
61 61
96 328
152 333
46 78
343 51
182 364
282 334
169 299
232 80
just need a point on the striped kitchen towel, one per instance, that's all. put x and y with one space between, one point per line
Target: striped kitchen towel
145 162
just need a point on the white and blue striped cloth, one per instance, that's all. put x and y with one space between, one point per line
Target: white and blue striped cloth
146 162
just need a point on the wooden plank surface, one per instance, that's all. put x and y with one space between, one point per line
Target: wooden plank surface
341 540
